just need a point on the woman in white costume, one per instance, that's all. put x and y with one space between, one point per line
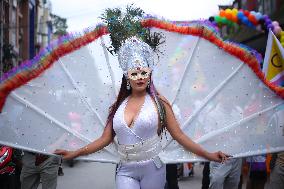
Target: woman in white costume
137 119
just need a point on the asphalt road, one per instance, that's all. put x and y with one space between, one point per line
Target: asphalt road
90 175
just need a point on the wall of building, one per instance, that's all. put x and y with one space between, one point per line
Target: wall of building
44 25
24 24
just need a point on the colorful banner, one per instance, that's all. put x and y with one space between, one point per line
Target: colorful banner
273 65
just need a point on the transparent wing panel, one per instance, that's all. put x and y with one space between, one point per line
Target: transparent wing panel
223 105
65 107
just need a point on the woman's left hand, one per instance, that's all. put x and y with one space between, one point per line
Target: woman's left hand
218 157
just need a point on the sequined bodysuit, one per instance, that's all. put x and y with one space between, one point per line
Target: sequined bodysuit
144 174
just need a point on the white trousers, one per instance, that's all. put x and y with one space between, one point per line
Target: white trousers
141 175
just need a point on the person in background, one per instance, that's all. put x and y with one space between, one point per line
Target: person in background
205 176
257 172
277 173
60 169
39 167
225 175
171 176
10 168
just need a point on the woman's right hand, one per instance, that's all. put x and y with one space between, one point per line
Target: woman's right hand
67 155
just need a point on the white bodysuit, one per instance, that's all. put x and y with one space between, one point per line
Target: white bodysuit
146 173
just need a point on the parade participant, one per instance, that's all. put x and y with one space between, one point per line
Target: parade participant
39 168
10 168
171 176
277 173
78 77
257 172
138 118
225 175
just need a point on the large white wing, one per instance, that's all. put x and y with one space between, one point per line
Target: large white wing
65 107
218 100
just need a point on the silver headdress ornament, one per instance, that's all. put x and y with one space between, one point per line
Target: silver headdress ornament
134 53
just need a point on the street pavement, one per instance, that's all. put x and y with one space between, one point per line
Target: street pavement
87 175
90 175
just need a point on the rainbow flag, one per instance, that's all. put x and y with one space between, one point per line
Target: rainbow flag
273 65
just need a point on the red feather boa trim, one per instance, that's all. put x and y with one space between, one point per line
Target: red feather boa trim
25 76
234 50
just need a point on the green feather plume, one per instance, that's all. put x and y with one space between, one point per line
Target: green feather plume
124 25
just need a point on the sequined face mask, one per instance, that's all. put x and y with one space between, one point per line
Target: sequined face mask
138 73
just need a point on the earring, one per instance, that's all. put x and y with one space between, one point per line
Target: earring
128 85
148 84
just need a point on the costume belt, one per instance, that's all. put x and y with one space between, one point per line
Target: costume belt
144 150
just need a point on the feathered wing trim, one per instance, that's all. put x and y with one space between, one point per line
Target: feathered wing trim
205 31
31 69
48 58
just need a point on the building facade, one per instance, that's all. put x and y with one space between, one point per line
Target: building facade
25 27
43 24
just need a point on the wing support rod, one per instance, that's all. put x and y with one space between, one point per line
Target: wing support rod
49 117
211 95
207 99
243 121
195 158
77 88
185 70
109 67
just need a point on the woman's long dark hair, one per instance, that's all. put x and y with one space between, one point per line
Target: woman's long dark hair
124 93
